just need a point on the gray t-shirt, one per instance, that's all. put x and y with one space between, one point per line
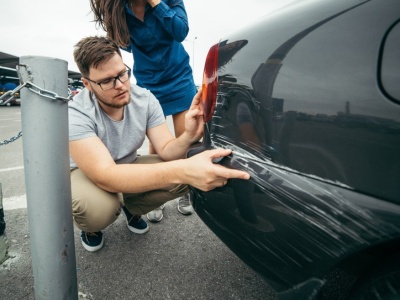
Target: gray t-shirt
122 138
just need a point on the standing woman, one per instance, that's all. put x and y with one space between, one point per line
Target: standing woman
153 30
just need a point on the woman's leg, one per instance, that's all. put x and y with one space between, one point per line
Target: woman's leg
179 127
183 203
179 123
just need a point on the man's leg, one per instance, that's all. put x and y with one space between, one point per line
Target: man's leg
93 209
146 202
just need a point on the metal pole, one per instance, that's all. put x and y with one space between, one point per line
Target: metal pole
48 186
193 52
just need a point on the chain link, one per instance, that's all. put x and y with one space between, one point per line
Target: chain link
47 94
10 94
14 138
37 90
33 88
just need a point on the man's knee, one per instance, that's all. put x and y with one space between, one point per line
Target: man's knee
92 216
93 208
179 189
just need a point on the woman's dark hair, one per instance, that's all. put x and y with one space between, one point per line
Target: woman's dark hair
93 51
110 15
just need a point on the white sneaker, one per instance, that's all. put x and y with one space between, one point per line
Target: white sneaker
184 205
156 214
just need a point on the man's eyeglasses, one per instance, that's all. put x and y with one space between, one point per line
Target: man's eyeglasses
109 83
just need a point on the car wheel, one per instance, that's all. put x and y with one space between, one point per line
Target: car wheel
381 283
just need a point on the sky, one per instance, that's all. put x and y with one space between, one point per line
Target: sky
51 28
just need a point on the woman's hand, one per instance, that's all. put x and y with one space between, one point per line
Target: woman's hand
153 2
194 124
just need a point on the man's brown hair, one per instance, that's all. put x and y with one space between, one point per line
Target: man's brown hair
93 51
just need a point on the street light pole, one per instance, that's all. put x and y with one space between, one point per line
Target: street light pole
192 41
193 52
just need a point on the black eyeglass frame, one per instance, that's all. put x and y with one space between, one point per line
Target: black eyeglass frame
115 79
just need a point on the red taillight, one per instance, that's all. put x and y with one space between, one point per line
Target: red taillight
210 80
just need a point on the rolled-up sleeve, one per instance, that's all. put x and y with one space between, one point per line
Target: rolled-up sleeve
173 18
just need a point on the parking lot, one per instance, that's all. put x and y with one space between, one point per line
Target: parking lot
179 258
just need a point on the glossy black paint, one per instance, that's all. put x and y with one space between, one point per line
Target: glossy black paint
308 100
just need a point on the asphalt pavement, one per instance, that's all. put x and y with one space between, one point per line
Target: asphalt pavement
179 258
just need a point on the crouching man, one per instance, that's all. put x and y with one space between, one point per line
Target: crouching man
108 122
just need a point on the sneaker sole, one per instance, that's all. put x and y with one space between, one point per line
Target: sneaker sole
155 220
93 249
135 230
186 213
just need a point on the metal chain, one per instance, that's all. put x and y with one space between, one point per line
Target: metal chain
10 94
47 94
37 90
33 88
14 138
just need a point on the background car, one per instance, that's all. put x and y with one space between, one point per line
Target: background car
308 100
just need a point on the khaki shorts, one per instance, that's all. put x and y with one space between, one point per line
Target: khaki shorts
94 208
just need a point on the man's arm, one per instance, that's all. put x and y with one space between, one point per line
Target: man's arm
169 148
94 160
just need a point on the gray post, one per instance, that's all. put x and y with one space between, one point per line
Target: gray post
48 186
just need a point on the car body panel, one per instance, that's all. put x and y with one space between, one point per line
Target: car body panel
300 104
390 64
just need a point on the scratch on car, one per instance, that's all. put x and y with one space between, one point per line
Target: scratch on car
326 211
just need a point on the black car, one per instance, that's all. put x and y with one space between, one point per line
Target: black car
308 99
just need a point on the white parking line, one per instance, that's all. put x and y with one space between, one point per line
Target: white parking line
15 202
11 169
